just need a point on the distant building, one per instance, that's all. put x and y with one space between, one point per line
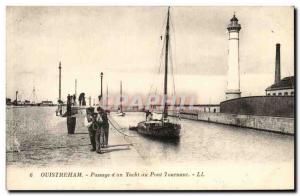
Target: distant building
281 87
18 102
284 87
26 102
46 103
8 101
212 108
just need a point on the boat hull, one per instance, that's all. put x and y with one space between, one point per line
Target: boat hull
160 130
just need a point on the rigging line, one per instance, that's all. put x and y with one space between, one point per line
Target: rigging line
161 56
172 63
159 70
174 56
162 51
175 43
172 69
164 41
125 135
162 29
163 45
160 63
112 120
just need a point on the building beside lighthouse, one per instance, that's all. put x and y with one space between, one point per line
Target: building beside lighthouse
233 74
284 87
281 87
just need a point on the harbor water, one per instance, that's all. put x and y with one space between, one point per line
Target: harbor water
35 136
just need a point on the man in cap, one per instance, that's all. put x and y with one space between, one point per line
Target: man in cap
105 124
92 121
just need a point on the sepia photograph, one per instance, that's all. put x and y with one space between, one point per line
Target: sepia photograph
152 98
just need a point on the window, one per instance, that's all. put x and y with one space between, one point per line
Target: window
286 93
292 93
279 94
274 94
215 110
269 94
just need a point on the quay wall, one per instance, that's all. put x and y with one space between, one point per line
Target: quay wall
266 123
279 106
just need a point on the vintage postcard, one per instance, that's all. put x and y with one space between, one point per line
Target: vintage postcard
150 98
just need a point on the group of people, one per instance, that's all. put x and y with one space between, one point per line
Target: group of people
98 126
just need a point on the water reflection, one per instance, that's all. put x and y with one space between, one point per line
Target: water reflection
167 141
202 141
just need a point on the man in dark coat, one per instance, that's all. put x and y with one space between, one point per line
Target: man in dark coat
93 125
105 124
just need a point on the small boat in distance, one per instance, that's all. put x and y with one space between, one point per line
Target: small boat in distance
120 108
163 127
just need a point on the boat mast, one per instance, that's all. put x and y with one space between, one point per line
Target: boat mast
100 97
121 98
75 91
107 97
165 114
59 83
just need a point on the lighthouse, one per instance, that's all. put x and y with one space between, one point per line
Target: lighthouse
233 74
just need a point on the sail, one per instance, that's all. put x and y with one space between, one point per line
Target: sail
156 116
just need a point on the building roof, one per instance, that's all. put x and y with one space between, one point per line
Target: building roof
285 83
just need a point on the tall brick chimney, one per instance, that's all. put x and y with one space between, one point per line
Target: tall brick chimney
277 64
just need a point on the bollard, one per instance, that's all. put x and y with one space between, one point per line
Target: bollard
71 124
71 121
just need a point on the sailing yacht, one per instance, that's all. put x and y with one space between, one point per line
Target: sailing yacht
163 127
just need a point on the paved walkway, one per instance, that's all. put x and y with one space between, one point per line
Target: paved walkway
53 146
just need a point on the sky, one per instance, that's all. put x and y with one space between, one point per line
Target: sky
124 43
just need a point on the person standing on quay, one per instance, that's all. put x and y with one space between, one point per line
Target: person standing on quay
105 124
92 121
